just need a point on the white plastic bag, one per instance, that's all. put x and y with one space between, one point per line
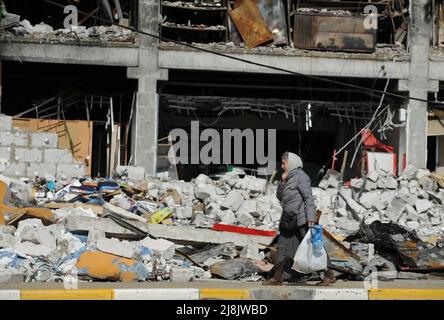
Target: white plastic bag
307 259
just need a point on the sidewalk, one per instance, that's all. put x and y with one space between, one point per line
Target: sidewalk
393 290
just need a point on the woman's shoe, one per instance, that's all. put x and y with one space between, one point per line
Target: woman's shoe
271 282
329 279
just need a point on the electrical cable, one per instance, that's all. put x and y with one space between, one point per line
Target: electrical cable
318 78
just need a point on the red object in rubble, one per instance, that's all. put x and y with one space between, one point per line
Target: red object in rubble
243 230
371 142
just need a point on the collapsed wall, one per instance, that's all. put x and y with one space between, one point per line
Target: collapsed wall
32 154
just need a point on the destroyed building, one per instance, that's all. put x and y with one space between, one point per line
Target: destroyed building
147 87
101 99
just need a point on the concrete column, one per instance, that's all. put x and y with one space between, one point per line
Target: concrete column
419 84
145 121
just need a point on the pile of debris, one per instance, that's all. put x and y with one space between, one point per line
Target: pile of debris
44 31
413 201
156 229
220 227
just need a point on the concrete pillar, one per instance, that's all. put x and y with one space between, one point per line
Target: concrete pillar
145 120
419 84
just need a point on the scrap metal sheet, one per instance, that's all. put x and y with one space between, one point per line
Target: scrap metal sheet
250 24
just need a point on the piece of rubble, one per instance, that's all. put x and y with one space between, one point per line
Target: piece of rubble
347 224
109 208
94 236
246 219
423 205
421 173
428 184
251 251
365 251
373 176
162 247
370 185
119 248
84 224
183 212
235 268
224 250
203 191
356 209
181 274
105 266
12 276
198 236
357 183
233 201
409 172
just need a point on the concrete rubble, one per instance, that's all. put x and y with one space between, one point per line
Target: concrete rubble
58 226
412 200
45 32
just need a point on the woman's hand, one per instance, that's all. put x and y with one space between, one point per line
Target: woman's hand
311 224
284 176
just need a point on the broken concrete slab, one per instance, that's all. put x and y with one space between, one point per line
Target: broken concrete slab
84 224
190 235
119 248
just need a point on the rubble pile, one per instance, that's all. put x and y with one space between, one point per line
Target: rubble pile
413 201
148 225
139 228
81 33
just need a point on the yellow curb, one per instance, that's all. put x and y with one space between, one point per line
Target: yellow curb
225 294
406 294
81 294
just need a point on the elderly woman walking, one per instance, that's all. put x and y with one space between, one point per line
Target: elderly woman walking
299 214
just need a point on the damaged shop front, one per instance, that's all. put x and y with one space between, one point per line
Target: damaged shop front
318 25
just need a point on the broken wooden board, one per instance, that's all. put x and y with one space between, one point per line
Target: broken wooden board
191 235
341 258
250 24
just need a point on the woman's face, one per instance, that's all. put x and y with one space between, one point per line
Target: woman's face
285 164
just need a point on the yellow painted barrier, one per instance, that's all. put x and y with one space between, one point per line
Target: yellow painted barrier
406 294
74 294
225 294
